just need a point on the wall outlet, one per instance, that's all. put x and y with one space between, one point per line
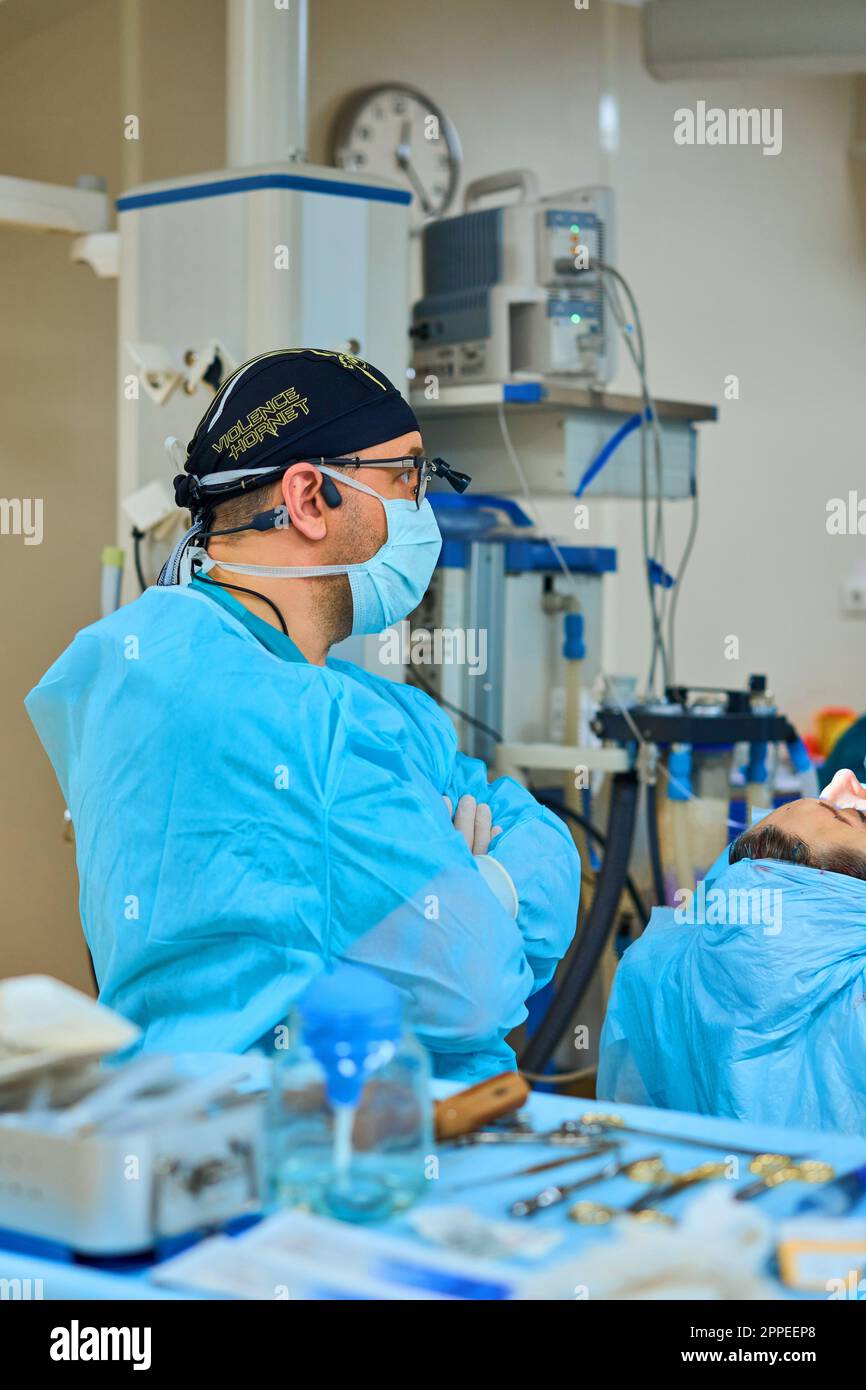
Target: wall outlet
854 596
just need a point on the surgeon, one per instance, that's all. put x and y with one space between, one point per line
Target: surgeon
747 999
249 810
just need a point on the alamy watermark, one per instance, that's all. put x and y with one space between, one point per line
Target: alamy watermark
744 907
22 516
713 125
846 516
403 645
21 1289
77 1343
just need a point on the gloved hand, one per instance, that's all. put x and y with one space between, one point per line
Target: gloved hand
474 820
845 790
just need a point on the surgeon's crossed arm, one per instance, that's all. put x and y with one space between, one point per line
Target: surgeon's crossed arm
530 863
410 897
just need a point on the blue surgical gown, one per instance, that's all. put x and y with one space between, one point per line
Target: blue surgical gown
242 819
762 1018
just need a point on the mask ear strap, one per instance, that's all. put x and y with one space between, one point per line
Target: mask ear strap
329 488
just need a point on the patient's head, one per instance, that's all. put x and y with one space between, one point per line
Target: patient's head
810 832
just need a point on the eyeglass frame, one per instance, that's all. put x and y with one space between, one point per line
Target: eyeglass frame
425 466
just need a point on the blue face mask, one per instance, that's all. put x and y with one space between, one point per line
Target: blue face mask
391 584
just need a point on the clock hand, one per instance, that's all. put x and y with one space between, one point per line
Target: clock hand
409 169
403 152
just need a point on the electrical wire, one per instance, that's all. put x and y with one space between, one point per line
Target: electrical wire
241 589
557 1078
600 838
530 501
137 538
649 416
648 413
455 709
684 560
609 685
693 525
551 803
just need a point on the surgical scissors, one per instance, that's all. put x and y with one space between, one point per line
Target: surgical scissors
809 1170
650 1169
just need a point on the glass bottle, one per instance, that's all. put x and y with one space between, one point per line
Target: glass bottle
351 1115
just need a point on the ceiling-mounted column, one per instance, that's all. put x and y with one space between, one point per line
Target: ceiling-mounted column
266 63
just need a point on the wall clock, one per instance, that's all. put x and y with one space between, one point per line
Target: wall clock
397 132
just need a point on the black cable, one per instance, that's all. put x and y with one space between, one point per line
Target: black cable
137 538
240 589
655 853
552 805
455 709
600 838
592 937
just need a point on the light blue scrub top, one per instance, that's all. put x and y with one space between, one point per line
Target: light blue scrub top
244 817
271 637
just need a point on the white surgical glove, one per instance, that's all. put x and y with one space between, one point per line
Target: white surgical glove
474 821
500 883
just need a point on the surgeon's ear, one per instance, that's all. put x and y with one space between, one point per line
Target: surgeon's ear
302 497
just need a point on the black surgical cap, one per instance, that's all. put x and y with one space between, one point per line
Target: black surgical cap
288 405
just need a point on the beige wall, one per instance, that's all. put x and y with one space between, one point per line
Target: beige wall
61 110
742 264
58 102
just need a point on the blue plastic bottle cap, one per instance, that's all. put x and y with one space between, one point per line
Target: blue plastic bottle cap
351 999
345 1013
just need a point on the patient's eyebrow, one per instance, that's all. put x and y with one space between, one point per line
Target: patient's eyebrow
838 814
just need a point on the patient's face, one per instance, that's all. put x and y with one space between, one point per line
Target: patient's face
814 834
821 824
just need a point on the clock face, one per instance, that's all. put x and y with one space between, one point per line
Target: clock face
400 134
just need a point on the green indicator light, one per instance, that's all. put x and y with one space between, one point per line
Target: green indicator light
575 318
575 229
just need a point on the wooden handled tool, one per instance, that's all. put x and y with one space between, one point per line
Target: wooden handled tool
479 1105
